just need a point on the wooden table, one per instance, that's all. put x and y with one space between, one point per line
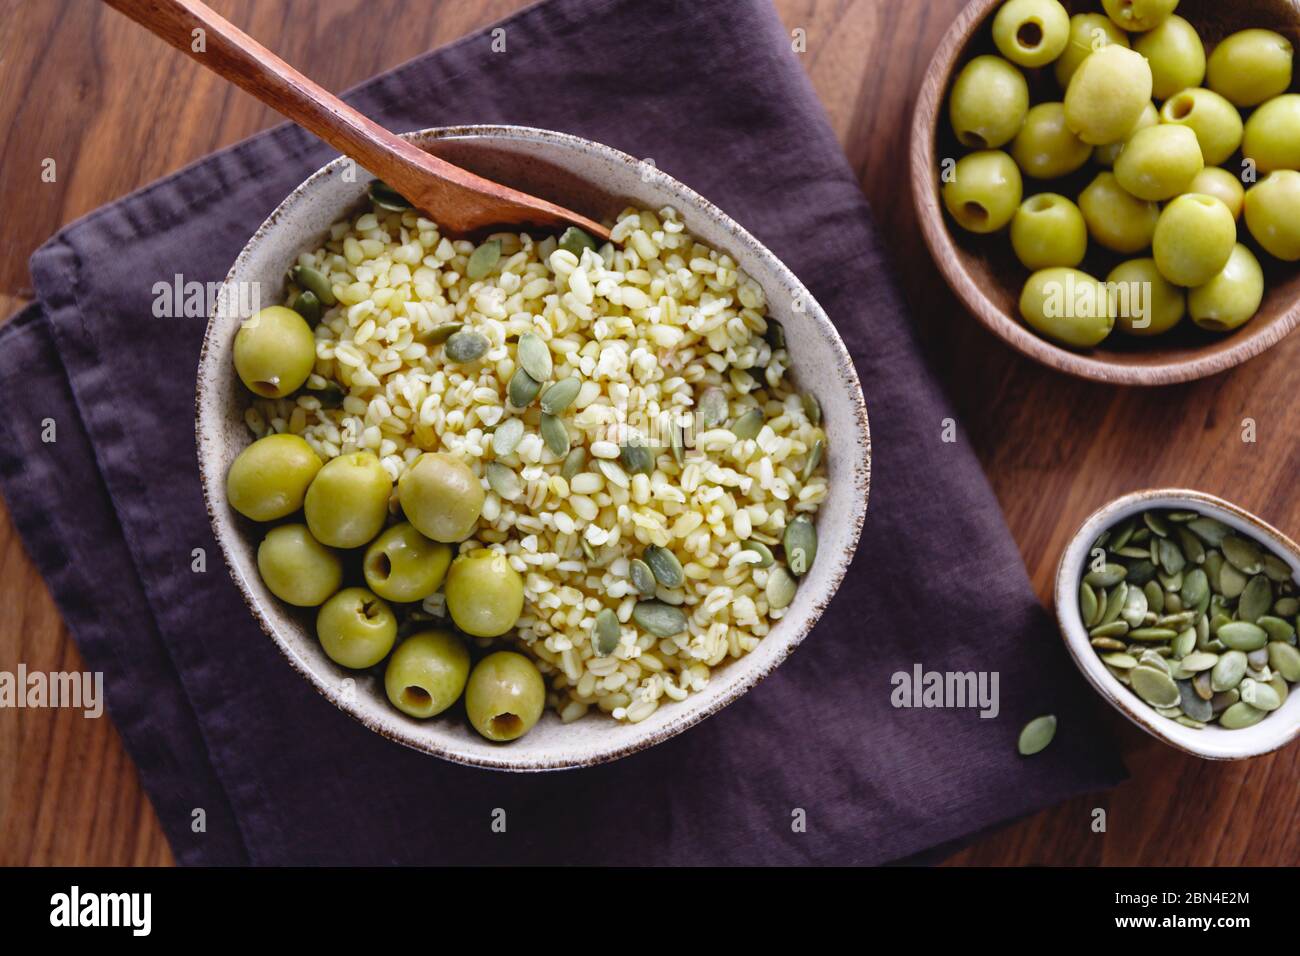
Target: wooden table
116 109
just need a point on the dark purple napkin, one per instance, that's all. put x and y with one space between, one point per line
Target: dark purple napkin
216 719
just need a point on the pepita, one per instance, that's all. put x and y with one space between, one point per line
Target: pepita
1259 695
1036 735
465 346
765 555
504 481
811 408
667 569
780 588
748 425
483 260
574 240
800 544
1089 607
314 282
386 197
1276 569
643 579
1154 686
560 395
574 462
605 632
555 435
637 459
308 306
522 389
1228 671
1284 659
1208 530
1199 661
1256 600
713 408
507 436
439 334
1241 715
534 357
1244 555
1242 635
814 459
660 619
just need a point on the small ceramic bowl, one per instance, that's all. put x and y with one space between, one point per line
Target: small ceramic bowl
1213 742
983 270
600 181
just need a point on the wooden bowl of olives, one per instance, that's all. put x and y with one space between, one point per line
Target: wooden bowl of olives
1161 254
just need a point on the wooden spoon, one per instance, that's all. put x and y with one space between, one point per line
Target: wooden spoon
458 200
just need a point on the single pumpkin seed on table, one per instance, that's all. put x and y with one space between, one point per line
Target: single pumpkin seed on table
1036 735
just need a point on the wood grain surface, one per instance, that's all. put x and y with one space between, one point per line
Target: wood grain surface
116 109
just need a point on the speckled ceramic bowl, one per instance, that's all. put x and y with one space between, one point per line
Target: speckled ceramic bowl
599 181
1214 743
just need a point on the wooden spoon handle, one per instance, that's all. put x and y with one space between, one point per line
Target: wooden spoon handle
432 184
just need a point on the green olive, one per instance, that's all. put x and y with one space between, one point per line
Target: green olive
1137 16
1146 303
1068 306
1176 55
347 503
1106 155
1272 138
1250 67
1107 94
505 696
1045 148
297 568
269 478
485 595
1031 32
441 497
1048 231
275 351
1194 239
403 565
988 103
984 192
1089 32
1223 186
1214 120
1231 298
1159 163
427 673
356 628
1117 220
1273 214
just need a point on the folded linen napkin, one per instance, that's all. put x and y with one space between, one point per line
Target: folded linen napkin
219 722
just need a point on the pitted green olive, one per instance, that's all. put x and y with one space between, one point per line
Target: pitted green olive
1107 94
1146 303
347 503
427 673
485 595
1176 55
1068 306
1272 136
1230 299
1194 239
984 192
1045 148
1031 32
988 103
270 477
1273 214
275 351
1251 66
1159 163
504 696
1117 219
1106 155
1214 120
1089 32
441 496
1223 186
1137 16
1048 231
356 629
403 565
297 568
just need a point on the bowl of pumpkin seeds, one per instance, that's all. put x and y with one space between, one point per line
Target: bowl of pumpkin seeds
1182 610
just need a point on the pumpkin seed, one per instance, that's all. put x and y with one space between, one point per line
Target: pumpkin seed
1155 595
1184 643
800 544
713 407
1276 628
1132 551
574 462
1208 530
1152 658
1152 634
1156 523
504 481
1190 544
522 389
1170 712
534 357
1284 659
575 240
1120 660
1201 684
1243 554
1242 635
643 579
1115 599
1113 629
1279 685
660 619
1259 695
675 442
483 260
1228 672
1135 607
748 425
1225 699
314 282
555 435
560 395
1231 581
1196 588
1141 573
1107 644
464 347
1089 607
774 334
1276 569
1256 600
386 197
1189 722
1123 532
1199 661
308 306
1176 622
605 632
1241 715
1171 559
1213 565
811 407
765 555
1287 607
588 550
1119 675
507 436
814 459
667 569
780 588
1154 686
441 333
1192 703
1109 575
637 459
1036 735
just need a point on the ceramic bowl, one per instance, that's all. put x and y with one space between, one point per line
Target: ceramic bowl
600 181
1213 742
984 272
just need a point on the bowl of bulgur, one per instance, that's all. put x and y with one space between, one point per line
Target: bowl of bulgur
715 416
